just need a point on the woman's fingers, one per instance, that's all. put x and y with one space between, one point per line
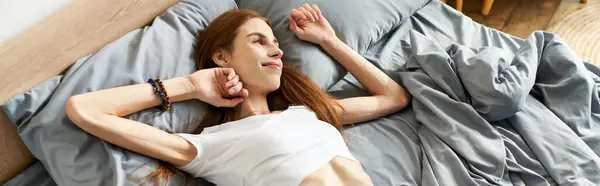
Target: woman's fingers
293 25
242 93
316 8
227 72
238 91
312 11
232 91
245 93
306 13
297 15
235 90
229 102
232 82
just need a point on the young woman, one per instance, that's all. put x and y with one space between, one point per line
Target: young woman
266 124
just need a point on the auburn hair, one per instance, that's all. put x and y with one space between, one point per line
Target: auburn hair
295 89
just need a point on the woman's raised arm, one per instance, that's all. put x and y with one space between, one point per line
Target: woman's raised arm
386 95
100 113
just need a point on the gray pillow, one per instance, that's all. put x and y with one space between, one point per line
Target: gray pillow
359 23
163 50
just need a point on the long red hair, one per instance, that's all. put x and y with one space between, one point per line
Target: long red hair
295 89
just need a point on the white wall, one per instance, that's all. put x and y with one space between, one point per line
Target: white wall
18 15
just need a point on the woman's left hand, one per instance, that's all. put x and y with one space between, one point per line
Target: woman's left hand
309 24
219 87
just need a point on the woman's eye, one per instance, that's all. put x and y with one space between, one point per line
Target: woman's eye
258 41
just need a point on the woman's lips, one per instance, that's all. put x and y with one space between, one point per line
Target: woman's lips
274 65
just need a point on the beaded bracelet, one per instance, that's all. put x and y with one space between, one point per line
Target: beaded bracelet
165 95
160 90
157 91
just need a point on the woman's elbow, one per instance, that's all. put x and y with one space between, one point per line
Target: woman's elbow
398 96
404 101
75 112
401 99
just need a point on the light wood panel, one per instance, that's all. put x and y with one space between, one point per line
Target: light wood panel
47 48
498 16
81 28
516 17
14 156
529 16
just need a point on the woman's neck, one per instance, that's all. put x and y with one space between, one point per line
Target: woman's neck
252 105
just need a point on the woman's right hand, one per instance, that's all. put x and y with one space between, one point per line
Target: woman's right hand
310 25
220 87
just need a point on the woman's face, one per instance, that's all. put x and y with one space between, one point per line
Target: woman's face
255 57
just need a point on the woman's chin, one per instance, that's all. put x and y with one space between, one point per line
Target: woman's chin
267 87
273 87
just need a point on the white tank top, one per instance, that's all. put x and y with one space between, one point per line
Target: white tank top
265 150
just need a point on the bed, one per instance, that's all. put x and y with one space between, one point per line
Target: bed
488 108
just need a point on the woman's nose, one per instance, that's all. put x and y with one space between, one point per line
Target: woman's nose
275 52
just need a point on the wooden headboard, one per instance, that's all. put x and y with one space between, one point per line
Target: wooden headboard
49 47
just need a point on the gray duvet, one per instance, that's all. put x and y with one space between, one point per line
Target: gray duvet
487 109
492 118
